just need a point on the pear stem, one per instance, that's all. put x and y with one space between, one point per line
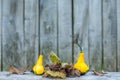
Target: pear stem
80 47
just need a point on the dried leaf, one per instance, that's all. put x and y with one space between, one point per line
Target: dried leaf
68 66
14 70
98 73
64 64
45 75
54 58
77 72
71 73
53 67
55 74
67 69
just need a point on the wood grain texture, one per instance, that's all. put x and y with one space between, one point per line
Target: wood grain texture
81 20
87 76
118 35
65 30
109 34
31 31
48 27
28 27
0 31
95 34
13 34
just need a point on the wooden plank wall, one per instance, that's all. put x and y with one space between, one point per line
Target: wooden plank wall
95 34
31 23
32 27
81 19
110 34
48 28
0 30
118 35
13 34
65 30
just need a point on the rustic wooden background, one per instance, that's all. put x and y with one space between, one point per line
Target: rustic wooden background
30 27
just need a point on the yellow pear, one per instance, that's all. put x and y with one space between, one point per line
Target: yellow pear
38 67
80 64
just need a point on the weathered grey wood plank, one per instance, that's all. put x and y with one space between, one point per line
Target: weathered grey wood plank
0 30
81 20
95 34
48 27
118 35
31 76
65 30
13 34
109 34
31 31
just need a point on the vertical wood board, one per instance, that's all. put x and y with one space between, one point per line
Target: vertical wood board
48 28
118 35
31 31
95 34
81 23
13 34
0 31
109 34
65 30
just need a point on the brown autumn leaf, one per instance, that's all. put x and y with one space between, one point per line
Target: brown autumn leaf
54 74
66 69
77 72
14 70
45 75
98 73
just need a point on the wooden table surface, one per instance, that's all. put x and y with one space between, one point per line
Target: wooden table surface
31 76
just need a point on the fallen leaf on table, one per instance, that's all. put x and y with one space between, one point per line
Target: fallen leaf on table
54 74
98 73
45 75
14 70
77 72
67 69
